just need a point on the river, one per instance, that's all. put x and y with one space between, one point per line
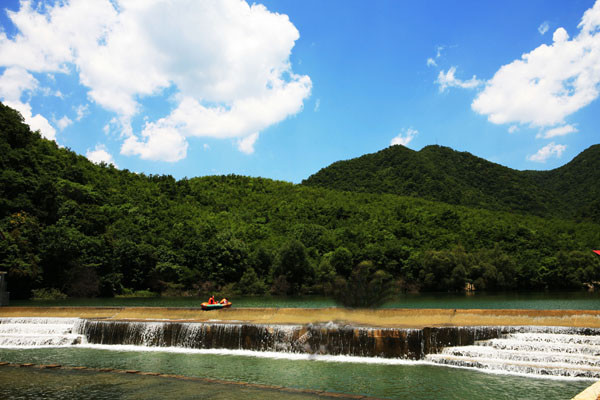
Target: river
579 300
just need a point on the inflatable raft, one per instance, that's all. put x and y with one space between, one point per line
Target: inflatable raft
216 306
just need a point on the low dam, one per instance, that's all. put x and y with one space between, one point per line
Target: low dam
557 351
328 339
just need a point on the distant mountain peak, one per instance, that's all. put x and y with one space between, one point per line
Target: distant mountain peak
441 173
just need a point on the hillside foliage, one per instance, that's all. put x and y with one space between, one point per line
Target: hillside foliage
70 226
442 174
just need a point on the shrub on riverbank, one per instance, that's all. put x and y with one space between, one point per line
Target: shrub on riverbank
47 294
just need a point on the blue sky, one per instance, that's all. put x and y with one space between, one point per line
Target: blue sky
280 89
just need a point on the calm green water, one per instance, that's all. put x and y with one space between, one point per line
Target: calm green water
537 301
30 383
388 381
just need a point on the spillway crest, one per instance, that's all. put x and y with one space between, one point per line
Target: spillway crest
325 339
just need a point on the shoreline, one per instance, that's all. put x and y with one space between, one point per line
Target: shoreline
383 318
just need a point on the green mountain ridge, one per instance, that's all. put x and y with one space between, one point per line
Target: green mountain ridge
70 226
442 174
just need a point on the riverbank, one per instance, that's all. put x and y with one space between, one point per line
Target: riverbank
400 317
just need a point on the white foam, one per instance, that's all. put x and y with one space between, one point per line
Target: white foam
539 352
39 332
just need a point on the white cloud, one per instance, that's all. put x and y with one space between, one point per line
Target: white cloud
100 154
560 35
162 143
447 79
244 118
14 81
227 61
439 50
82 111
63 122
548 84
438 53
513 129
317 105
113 125
550 150
558 131
246 145
543 28
404 137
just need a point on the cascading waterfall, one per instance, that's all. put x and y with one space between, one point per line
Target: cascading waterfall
528 350
320 339
36 332
552 351
327 339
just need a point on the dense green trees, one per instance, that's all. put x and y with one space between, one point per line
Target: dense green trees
442 174
365 286
294 266
82 229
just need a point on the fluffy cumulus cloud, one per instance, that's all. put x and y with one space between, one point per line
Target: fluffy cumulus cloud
404 137
226 61
159 143
16 81
100 154
551 82
558 131
550 150
448 79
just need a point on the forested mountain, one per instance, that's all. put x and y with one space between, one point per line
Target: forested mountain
82 229
442 174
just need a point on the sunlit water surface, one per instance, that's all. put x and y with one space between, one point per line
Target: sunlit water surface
410 381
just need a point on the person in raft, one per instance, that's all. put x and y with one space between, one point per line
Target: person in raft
212 300
223 301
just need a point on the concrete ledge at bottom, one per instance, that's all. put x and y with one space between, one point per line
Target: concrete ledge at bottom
591 393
